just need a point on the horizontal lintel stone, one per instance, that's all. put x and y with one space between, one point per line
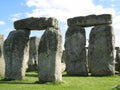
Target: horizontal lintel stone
90 20
34 23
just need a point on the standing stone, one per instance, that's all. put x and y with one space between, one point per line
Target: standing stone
63 61
101 51
2 63
33 53
16 54
117 59
49 56
75 51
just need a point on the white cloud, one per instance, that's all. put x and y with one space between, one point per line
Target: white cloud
2 23
16 16
116 26
9 29
64 9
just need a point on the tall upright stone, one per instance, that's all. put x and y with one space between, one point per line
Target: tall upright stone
16 53
2 63
75 51
63 61
101 51
49 56
33 53
117 59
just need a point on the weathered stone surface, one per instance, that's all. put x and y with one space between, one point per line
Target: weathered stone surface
63 61
75 53
16 54
118 87
117 59
101 51
117 48
90 20
49 56
2 63
35 23
33 53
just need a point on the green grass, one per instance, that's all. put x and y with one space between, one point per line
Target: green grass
69 83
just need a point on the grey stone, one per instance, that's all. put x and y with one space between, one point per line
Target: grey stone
33 23
118 87
49 56
101 51
75 53
63 66
104 19
90 20
2 63
117 48
33 53
117 59
63 61
16 53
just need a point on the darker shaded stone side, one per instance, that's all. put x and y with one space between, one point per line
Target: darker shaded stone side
101 51
49 56
75 53
117 59
16 54
2 63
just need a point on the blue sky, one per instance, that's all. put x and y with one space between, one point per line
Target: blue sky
12 10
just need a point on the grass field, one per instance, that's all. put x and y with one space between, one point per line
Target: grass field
68 83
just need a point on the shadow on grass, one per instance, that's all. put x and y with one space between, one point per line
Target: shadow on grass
31 75
4 81
89 75
67 75
50 83
12 81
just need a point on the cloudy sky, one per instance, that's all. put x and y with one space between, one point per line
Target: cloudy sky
11 10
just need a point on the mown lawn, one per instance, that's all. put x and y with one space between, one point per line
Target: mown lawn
68 83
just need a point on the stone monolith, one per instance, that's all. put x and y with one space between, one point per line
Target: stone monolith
2 63
16 53
117 59
101 51
75 51
33 53
49 56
